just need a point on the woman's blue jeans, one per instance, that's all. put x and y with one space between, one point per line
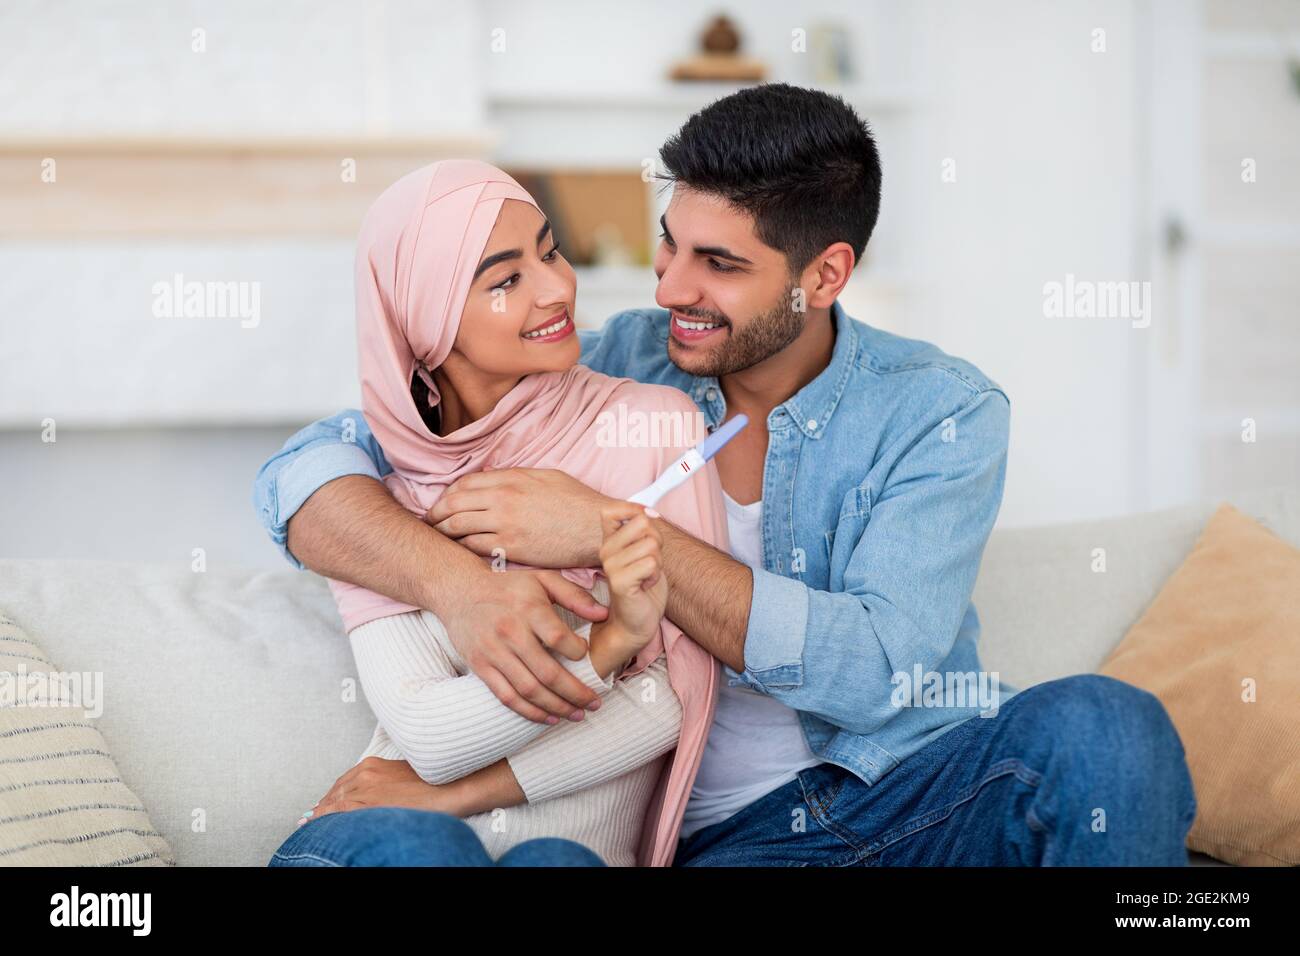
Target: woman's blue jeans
398 836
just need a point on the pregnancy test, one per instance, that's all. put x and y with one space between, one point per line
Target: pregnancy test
689 463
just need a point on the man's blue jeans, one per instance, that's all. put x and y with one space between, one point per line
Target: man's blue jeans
399 836
1082 771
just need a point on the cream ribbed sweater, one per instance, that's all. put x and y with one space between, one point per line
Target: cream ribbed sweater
589 781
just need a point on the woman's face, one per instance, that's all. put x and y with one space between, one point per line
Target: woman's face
518 317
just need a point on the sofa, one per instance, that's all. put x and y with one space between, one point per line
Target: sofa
230 696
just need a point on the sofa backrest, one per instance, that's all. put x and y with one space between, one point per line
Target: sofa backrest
230 697
1046 613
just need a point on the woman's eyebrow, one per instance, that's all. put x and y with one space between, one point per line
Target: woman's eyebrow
509 254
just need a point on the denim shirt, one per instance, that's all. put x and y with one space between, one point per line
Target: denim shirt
882 481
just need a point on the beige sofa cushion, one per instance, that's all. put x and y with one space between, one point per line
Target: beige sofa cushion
1220 647
62 800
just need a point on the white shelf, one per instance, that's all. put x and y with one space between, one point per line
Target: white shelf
1252 46
1220 423
604 128
1280 235
676 96
471 141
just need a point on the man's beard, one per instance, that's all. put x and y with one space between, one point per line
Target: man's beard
761 338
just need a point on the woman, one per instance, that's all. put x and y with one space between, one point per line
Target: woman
468 361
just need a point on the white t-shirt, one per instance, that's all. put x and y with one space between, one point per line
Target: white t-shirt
756 743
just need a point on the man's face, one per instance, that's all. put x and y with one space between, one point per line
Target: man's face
729 294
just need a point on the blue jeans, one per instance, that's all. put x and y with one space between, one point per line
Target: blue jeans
1082 771
398 836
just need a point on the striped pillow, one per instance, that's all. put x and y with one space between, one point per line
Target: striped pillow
62 802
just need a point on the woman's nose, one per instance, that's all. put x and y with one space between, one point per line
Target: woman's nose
556 289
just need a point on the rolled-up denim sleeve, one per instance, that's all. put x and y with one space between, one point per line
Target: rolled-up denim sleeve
907 583
314 456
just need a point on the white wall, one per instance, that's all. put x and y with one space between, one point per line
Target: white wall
82 310
1042 133
292 66
136 494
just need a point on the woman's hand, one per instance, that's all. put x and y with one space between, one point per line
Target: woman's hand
376 782
638 588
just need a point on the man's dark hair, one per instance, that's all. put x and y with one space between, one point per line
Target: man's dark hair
800 161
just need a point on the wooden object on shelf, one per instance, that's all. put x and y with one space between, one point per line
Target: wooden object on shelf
714 67
720 57
205 187
721 36
601 217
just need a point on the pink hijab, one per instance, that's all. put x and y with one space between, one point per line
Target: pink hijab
418 248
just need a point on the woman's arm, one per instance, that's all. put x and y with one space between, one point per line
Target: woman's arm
640 719
445 723
483 790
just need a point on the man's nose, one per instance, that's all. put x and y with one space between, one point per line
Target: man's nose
675 289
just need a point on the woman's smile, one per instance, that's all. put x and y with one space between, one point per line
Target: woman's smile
552 330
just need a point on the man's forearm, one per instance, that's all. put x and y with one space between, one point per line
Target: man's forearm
708 594
353 530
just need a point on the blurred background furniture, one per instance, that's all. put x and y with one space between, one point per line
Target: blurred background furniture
1023 143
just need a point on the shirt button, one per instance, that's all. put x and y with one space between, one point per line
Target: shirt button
711 394
812 424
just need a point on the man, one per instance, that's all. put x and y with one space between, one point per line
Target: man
860 498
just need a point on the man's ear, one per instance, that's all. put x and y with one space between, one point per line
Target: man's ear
827 274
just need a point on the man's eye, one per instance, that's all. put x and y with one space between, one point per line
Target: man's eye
550 256
719 267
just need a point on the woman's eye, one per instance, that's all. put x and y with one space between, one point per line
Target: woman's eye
550 256
507 283
667 239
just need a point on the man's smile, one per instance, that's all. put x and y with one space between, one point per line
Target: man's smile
691 331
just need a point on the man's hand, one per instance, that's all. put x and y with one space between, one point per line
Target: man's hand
538 516
353 530
505 628
376 782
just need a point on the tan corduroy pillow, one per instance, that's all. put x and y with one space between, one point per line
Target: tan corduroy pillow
1220 647
62 801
